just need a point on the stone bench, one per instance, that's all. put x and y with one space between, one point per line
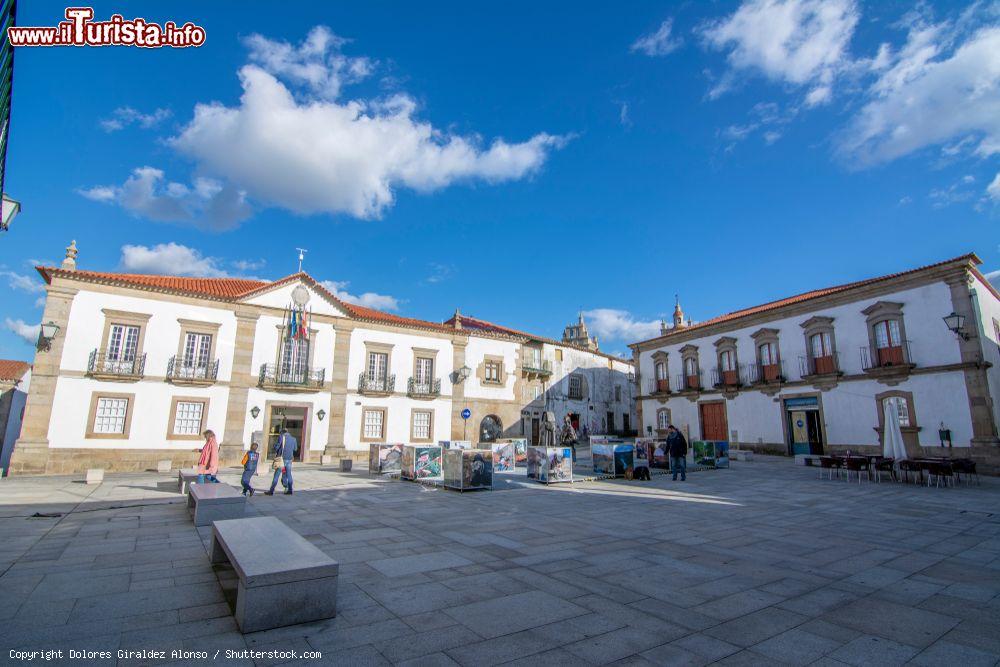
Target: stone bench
215 502
741 454
283 578
186 477
95 475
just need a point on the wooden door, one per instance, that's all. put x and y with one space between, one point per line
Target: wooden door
535 427
713 421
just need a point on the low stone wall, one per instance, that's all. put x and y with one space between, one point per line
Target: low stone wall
57 461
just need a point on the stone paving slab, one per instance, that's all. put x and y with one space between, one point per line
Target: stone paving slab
759 564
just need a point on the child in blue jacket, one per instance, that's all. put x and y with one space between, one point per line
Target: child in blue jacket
250 460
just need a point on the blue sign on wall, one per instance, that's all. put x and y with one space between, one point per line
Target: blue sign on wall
466 413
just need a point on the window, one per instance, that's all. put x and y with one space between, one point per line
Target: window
123 342
559 354
197 348
820 345
996 331
576 387
690 367
887 334
618 394
425 373
662 419
188 417
902 409
294 360
110 416
661 370
768 354
727 360
492 371
420 425
373 424
490 428
538 392
378 365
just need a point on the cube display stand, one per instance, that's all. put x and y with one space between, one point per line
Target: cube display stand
613 459
549 465
422 463
385 459
468 469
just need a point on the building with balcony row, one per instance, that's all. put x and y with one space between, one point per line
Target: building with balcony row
139 365
813 373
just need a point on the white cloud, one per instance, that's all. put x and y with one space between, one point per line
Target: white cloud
993 189
611 324
937 89
800 42
244 265
23 283
658 43
439 272
308 151
368 299
207 203
124 116
169 259
29 332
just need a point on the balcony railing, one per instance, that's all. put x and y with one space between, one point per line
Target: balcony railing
759 373
825 365
192 370
415 387
894 356
536 366
100 363
727 378
291 376
376 384
659 386
689 382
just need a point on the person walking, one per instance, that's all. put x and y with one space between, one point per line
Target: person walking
284 452
678 447
208 462
250 460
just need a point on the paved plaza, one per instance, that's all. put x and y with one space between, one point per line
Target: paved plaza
760 564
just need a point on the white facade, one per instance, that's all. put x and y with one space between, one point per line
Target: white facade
942 380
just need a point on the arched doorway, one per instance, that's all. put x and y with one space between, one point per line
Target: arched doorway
490 429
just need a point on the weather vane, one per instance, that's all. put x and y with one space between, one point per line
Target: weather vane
302 256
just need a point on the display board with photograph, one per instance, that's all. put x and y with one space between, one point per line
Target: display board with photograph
661 454
422 463
385 458
503 456
721 454
468 469
603 457
615 458
550 464
644 451
455 444
710 453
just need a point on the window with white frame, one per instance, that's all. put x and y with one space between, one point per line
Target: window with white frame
727 360
887 334
768 354
111 415
821 345
420 428
690 366
373 424
294 360
188 417
661 370
492 371
662 419
425 373
197 347
538 393
902 408
123 347
378 366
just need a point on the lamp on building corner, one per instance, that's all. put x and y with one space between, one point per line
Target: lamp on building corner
462 374
956 324
321 414
46 333
254 411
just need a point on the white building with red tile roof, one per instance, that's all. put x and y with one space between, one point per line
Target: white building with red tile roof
142 364
15 379
813 373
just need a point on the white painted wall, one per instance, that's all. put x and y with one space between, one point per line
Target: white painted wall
477 350
988 308
398 418
281 297
402 357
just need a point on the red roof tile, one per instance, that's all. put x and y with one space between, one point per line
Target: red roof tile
11 369
220 288
813 294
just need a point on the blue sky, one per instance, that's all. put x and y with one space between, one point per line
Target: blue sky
520 163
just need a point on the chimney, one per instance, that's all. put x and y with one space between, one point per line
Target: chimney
457 319
69 263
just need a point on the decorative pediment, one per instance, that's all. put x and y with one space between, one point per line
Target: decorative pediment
882 308
659 355
279 295
725 341
689 349
817 321
764 333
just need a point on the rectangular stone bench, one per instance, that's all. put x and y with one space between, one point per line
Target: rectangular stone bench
186 477
95 475
283 578
215 502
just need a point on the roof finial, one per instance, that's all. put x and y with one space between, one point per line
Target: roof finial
457 319
69 263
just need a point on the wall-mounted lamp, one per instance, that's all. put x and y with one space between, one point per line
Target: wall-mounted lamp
46 333
956 324
321 414
461 375
254 411
631 377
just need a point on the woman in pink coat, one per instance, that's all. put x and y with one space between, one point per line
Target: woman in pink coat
208 462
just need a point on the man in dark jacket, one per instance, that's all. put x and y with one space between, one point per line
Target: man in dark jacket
678 448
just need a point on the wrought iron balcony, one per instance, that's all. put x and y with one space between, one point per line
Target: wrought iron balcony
729 379
882 359
536 366
659 386
820 366
759 373
192 370
101 364
423 389
377 384
291 377
689 382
